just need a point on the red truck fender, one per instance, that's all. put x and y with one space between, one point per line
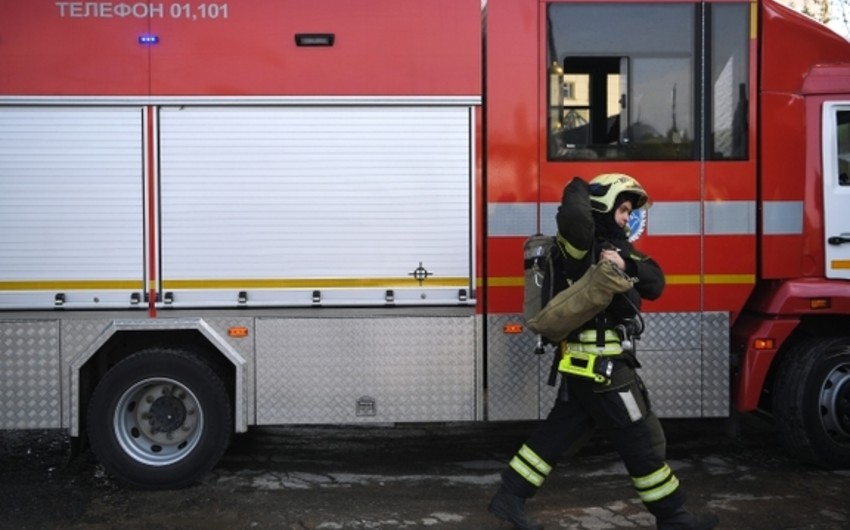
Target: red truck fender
774 312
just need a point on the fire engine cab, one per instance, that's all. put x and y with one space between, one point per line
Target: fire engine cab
219 215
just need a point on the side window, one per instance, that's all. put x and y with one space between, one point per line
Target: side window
842 128
625 81
621 81
588 101
729 81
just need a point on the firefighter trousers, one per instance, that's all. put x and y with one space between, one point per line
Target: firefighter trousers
621 413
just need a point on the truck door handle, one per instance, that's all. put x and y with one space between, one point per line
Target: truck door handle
838 240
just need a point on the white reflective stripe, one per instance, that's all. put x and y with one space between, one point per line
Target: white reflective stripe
782 217
656 494
532 458
526 472
673 218
631 405
548 211
517 219
730 218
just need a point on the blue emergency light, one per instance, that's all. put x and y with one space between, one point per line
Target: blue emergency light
149 39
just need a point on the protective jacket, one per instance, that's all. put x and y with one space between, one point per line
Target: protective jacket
580 240
620 408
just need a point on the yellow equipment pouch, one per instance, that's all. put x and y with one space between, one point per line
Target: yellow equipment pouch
587 359
587 365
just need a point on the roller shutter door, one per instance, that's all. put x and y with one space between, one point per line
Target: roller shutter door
287 205
71 206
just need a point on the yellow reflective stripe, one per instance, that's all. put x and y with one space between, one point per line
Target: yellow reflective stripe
656 494
570 249
670 279
243 283
589 336
310 283
574 348
526 472
587 344
754 17
575 354
653 479
656 485
710 279
532 458
70 285
842 264
505 281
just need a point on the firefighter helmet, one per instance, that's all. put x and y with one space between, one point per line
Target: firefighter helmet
605 188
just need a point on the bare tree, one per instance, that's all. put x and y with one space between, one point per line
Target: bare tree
841 8
834 13
816 9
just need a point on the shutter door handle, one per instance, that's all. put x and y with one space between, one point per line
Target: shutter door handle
839 240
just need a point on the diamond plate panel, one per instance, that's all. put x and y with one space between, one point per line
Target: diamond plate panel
674 381
671 332
78 335
685 358
244 346
30 389
348 370
513 372
669 351
715 365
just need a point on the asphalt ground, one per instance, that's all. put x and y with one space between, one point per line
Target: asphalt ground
418 476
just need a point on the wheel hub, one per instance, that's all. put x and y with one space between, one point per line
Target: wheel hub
835 403
158 421
167 414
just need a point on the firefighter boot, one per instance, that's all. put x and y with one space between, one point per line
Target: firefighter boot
509 507
685 520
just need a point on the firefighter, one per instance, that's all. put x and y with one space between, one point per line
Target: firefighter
600 388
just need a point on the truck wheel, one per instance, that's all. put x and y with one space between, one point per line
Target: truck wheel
812 402
159 419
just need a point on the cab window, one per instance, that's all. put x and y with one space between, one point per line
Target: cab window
843 138
630 81
728 87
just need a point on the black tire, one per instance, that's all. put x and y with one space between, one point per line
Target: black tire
159 419
811 402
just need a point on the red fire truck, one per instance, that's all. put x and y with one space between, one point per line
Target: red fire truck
219 215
